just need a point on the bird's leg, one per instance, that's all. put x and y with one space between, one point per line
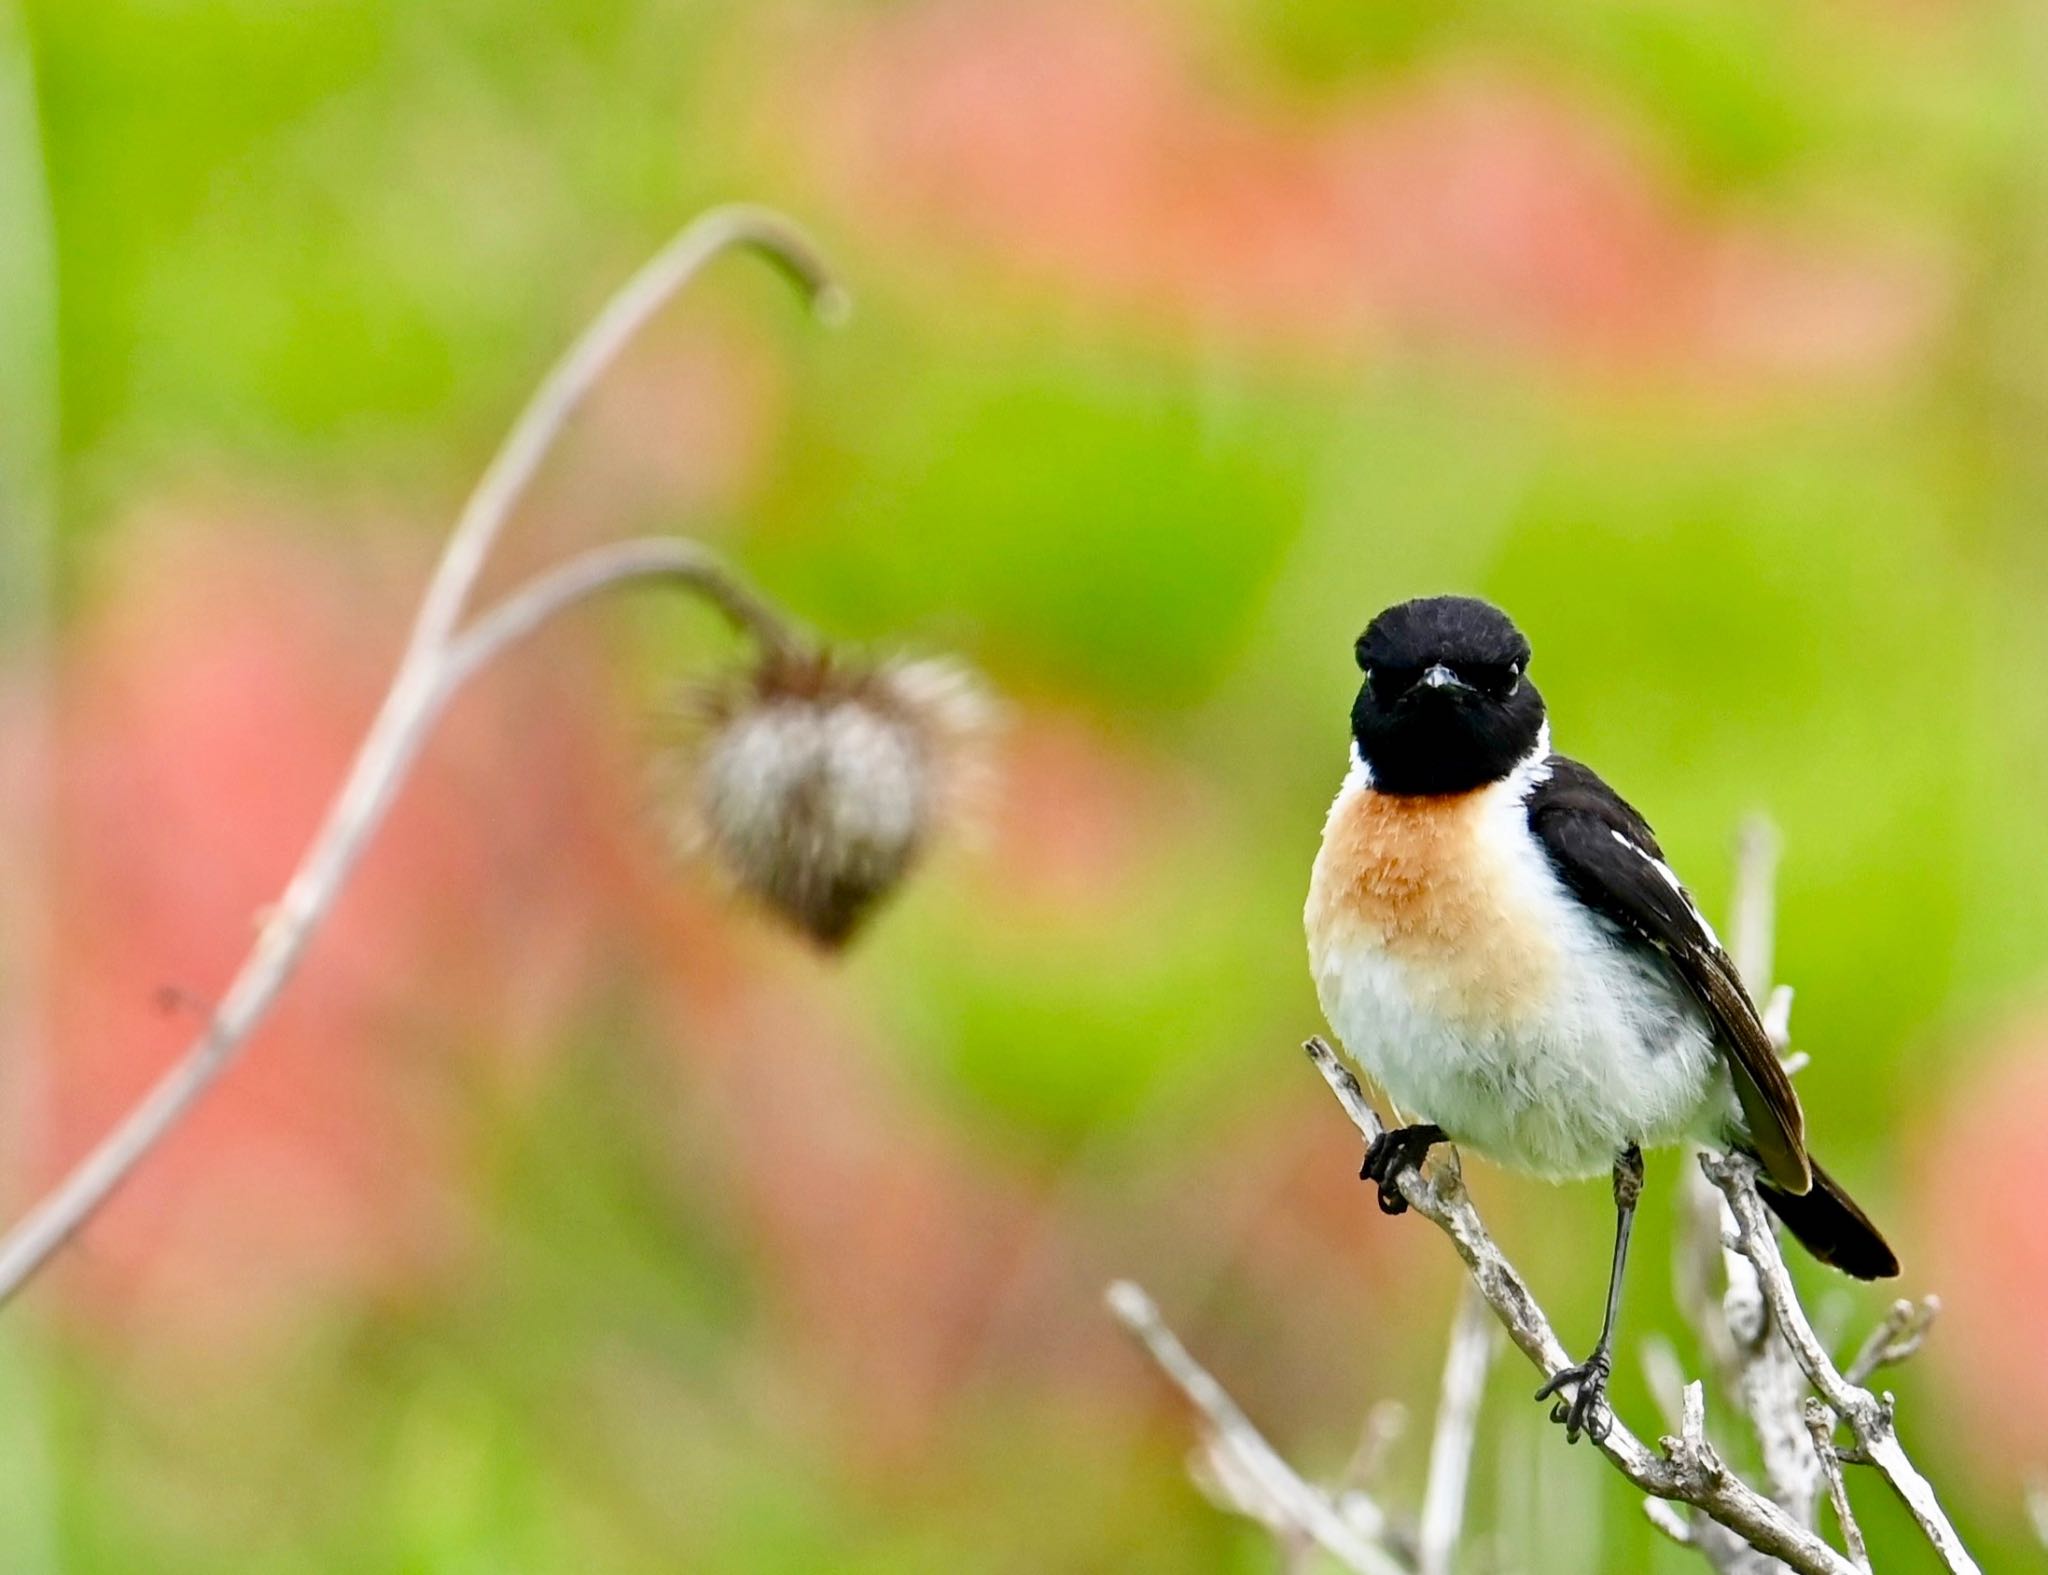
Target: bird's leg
1397 1149
1587 1412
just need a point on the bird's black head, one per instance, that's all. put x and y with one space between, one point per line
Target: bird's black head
1446 705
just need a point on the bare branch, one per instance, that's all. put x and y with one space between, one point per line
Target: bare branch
435 664
1734 1287
1260 1483
1756 1368
1473 1338
1897 1339
1867 1416
1689 1470
1820 1425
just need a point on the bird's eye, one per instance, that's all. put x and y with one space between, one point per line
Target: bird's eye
1500 679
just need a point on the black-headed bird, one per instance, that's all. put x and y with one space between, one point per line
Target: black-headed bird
1497 940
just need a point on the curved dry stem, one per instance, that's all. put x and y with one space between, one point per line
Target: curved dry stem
668 560
569 381
435 665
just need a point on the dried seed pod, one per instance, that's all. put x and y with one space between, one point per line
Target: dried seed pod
816 783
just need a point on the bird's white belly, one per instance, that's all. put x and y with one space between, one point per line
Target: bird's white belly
1557 1091
1481 995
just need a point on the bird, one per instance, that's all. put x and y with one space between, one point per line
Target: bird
1497 940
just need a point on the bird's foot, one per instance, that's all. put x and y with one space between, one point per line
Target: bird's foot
1587 1411
1393 1151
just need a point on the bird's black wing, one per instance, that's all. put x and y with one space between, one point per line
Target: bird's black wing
1606 853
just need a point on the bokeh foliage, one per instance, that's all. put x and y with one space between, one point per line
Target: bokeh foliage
315 251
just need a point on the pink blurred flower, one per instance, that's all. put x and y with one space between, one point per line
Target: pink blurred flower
879 1238
207 707
1982 1193
1080 145
1075 820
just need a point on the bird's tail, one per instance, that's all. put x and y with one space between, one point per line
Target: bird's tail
1828 1224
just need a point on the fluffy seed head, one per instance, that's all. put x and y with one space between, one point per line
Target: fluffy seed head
817 784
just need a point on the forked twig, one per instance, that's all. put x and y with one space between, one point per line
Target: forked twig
439 658
1250 1470
1820 1424
1897 1339
1867 1416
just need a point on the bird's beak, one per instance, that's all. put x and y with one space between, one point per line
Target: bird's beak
1441 677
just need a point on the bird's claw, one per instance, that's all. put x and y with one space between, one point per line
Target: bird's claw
1393 1151
1587 1411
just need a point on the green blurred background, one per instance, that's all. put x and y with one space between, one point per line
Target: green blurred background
570 1218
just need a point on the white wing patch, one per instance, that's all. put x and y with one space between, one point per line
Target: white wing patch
1670 878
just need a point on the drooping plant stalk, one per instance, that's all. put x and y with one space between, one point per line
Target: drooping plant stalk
448 647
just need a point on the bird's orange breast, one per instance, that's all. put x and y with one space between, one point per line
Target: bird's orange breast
1445 885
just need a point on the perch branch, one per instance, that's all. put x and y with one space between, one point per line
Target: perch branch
1259 1483
1749 1318
438 659
1689 1470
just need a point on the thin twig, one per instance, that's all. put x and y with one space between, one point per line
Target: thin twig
1263 1485
1756 1367
1384 1424
1897 1339
1670 1520
1867 1416
1473 1338
436 662
1820 1424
